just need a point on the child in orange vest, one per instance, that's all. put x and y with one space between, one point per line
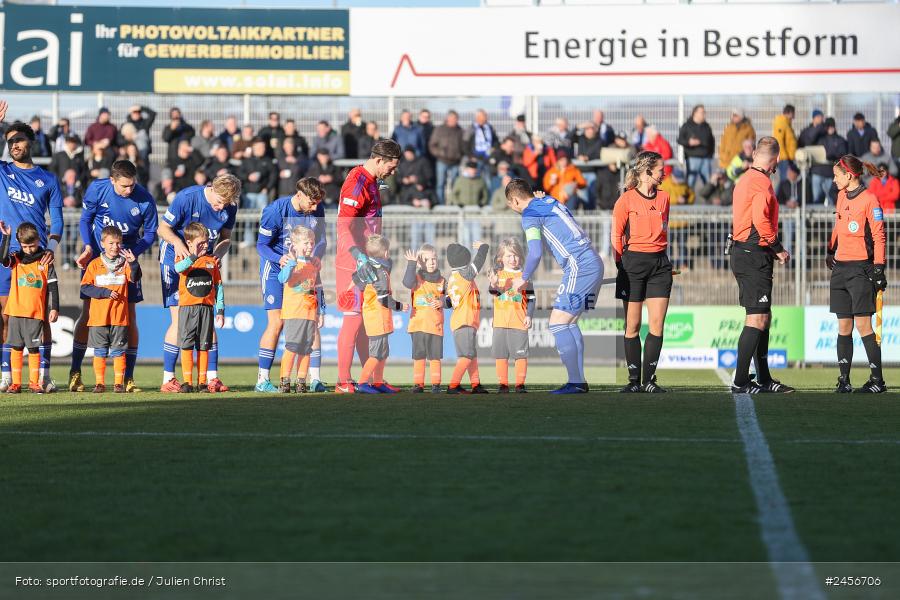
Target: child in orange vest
201 293
513 310
426 321
33 294
377 304
301 308
464 297
105 281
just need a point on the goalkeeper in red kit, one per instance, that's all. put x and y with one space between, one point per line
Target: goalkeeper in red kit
359 216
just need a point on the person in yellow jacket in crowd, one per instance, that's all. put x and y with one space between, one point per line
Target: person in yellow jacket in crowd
739 129
680 194
783 131
563 179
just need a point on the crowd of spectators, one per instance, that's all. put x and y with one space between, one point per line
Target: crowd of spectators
463 164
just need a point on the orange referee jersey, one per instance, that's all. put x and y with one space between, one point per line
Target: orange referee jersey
858 232
423 318
755 211
106 311
28 289
300 300
466 301
199 283
640 224
510 306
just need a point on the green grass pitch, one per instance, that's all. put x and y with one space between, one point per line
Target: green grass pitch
601 477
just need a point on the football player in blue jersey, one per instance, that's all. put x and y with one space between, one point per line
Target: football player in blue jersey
544 219
30 193
303 209
215 206
119 202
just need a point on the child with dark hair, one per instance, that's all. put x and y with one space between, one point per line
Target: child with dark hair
465 299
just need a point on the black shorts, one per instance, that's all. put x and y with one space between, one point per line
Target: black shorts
852 292
645 275
753 271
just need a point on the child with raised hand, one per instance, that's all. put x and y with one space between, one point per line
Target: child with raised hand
33 293
302 308
106 281
464 297
377 304
201 294
426 319
513 310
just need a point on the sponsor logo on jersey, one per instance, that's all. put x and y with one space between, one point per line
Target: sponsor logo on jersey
135 211
39 183
198 283
853 226
30 280
22 197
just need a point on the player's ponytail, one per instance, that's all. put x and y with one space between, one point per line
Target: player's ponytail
855 167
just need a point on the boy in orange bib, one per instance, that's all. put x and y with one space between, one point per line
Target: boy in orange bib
513 310
426 321
464 297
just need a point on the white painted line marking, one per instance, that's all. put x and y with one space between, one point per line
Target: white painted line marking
789 560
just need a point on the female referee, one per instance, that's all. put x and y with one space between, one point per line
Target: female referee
856 257
640 221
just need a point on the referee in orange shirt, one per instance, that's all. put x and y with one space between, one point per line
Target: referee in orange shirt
756 247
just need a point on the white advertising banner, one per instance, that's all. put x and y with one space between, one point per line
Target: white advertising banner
821 337
626 50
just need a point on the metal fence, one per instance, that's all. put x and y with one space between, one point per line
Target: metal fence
696 235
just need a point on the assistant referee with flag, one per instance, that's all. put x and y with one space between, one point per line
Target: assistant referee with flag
756 247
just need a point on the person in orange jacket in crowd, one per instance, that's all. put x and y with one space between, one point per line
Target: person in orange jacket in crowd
538 158
886 188
655 142
563 179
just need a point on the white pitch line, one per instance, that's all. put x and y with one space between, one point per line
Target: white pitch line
794 575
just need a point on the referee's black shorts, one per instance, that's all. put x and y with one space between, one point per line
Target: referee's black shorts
852 290
644 275
753 268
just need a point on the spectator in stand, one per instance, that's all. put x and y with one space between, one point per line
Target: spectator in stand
608 190
187 161
368 139
823 187
203 141
101 129
291 168
230 134
242 147
498 196
790 196
481 138
178 130
219 163
127 135
42 144
639 132
407 133
504 171
878 157
742 161
502 153
588 146
71 158
328 175
414 175
258 177
469 190
272 134
860 135
165 189
696 137
131 153
894 134
71 189
290 131
100 160
887 189
783 131
813 133
564 179
537 159
351 132
522 137
142 117
427 127
718 192
739 129
605 131
200 177
58 134
560 136
655 142
447 147
328 139
680 194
